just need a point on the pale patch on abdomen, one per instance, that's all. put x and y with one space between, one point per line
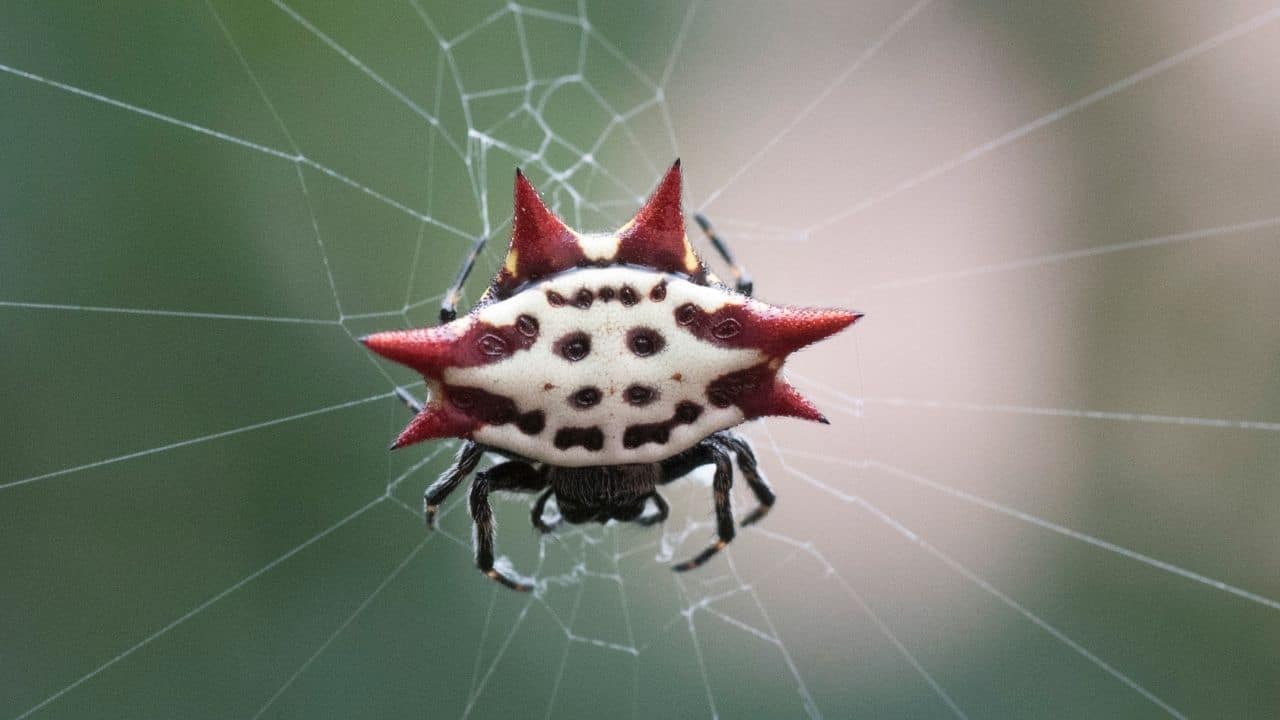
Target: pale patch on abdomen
637 394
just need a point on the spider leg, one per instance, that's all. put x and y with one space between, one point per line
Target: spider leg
742 280
678 466
751 473
449 305
538 508
408 399
518 476
720 487
466 460
511 475
664 510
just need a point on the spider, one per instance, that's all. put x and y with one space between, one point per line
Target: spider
601 367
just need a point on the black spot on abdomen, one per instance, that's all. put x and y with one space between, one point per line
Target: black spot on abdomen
532 423
660 432
574 346
591 438
640 395
637 435
643 341
585 397
494 409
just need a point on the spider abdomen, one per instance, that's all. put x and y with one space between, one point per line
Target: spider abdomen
613 365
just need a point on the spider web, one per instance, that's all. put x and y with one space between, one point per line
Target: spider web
1048 489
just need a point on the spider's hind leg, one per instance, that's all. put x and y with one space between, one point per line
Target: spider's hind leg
742 280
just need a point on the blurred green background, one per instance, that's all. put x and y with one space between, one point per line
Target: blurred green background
1049 490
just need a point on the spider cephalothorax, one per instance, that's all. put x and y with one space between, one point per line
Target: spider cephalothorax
603 364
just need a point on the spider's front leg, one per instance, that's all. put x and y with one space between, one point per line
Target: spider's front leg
721 484
716 450
511 475
664 510
467 459
539 508
678 466
751 473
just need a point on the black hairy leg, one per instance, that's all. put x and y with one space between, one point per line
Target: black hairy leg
539 508
721 484
449 303
741 280
677 466
463 464
406 397
664 510
751 473
716 450
513 475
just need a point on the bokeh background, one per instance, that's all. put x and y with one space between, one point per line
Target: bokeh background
1050 486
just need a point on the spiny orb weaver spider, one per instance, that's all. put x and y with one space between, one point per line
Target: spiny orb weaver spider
602 366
